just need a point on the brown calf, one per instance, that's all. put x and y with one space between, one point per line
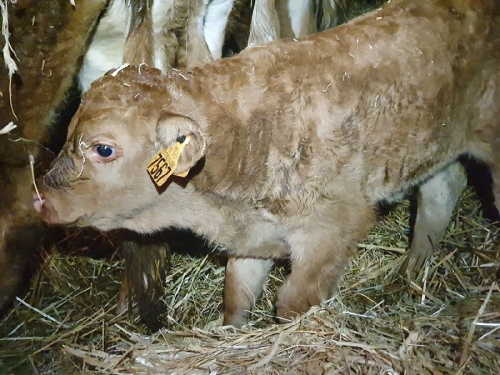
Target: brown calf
291 145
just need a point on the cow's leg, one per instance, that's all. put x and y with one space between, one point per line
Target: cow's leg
297 18
145 271
331 15
214 25
140 39
125 296
320 252
436 201
265 25
245 278
197 52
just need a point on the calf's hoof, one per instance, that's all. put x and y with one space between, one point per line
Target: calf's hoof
236 320
289 305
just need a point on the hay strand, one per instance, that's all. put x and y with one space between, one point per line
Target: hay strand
7 48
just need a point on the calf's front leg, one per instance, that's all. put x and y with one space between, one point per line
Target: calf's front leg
245 278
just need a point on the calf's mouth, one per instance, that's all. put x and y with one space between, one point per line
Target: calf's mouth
47 211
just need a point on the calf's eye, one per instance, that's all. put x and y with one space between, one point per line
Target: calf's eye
104 151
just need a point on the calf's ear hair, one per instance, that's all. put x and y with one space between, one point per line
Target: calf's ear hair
174 128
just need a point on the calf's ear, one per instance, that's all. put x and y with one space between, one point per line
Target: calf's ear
174 129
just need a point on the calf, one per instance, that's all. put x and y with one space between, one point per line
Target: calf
288 146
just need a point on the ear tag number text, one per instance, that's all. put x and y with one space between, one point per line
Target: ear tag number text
163 164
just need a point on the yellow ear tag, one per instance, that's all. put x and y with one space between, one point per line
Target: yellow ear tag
163 164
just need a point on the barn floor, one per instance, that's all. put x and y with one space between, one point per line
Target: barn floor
445 322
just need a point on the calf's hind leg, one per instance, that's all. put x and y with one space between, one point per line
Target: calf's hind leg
320 250
436 201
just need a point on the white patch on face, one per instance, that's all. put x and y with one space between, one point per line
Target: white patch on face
215 25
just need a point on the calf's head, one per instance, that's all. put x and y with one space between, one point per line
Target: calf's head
100 177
